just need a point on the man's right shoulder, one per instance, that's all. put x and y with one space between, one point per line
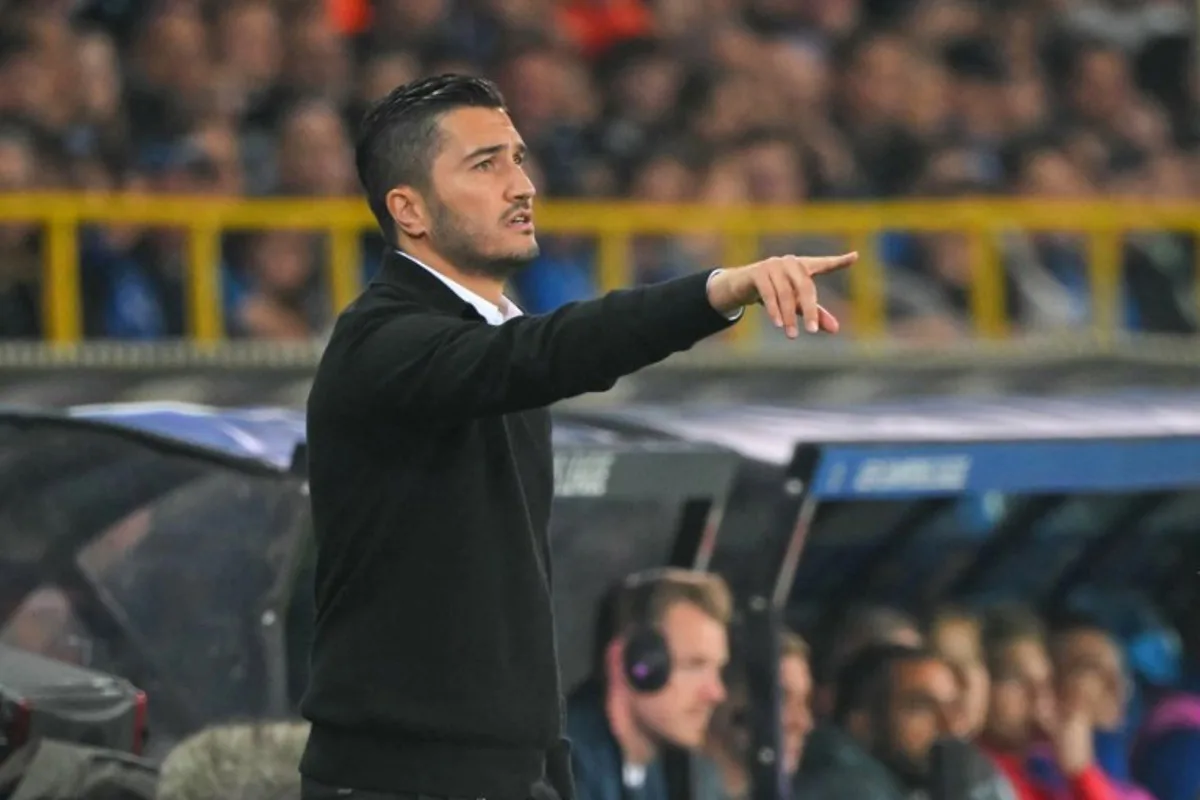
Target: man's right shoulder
376 306
341 388
380 300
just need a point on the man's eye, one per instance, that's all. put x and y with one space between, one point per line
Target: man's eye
484 166
519 158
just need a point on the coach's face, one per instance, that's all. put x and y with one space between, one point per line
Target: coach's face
681 711
481 208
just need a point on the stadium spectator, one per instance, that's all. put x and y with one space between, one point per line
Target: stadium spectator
660 681
278 300
134 278
665 101
956 635
235 762
315 157
729 737
1079 643
894 703
1043 743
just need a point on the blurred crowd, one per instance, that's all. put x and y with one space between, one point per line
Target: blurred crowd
717 101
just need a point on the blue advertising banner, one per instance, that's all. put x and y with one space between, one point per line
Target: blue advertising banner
886 472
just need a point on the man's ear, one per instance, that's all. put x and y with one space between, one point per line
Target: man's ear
409 212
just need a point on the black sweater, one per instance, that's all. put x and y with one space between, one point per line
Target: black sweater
433 663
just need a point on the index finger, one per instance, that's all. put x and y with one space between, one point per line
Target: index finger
822 264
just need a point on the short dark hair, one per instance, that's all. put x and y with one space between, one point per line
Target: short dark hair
861 626
398 138
864 683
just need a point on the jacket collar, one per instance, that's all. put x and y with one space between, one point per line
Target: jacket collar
402 270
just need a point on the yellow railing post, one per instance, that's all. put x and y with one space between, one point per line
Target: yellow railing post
205 318
738 250
614 263
1104 260
868 288
344 266
61 298
988 293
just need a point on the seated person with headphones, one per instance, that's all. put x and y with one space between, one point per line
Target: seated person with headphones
662 645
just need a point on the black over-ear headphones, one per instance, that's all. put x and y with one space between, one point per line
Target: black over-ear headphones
645 657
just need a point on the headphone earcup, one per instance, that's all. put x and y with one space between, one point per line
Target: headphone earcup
646 660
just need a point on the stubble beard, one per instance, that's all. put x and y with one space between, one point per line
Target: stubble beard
453 239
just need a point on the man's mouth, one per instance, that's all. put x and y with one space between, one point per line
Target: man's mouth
521 221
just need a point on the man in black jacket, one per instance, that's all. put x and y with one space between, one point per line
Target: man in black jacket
434 669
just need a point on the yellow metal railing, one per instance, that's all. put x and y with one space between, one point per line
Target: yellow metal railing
614 225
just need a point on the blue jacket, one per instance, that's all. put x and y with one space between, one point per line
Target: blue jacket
596 757
598 766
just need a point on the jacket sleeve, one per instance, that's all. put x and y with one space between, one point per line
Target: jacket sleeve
424 364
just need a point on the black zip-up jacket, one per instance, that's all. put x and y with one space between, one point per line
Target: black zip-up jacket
433 662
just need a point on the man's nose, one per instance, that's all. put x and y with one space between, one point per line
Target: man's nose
521 187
